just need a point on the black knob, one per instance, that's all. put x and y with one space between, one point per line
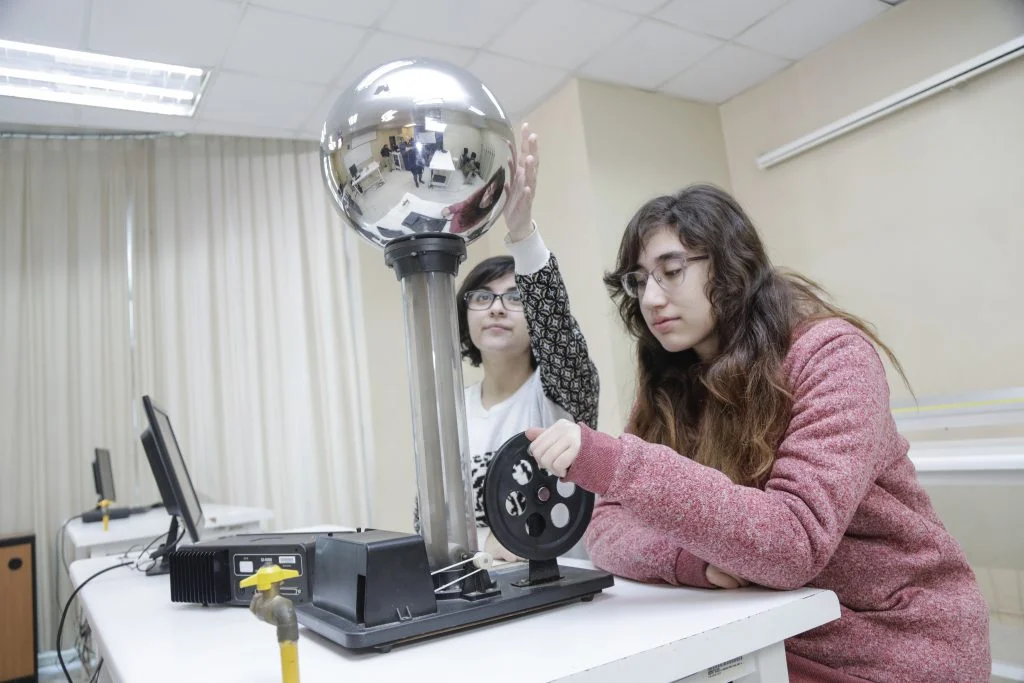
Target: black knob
14 564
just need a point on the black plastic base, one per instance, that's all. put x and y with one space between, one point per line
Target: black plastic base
425 253
458 614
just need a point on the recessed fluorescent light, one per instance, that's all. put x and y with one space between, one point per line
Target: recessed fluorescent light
40 72
389 115
476 111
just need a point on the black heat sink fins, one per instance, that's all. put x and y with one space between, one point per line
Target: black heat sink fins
200 576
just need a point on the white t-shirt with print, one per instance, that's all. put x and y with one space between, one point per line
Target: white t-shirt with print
489 429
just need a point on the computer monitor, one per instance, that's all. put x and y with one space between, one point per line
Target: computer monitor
103 475
172 478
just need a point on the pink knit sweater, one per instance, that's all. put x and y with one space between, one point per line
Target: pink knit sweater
842 510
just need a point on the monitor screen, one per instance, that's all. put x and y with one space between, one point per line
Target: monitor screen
104 475
177 491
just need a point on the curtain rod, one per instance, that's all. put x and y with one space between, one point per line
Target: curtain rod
86 136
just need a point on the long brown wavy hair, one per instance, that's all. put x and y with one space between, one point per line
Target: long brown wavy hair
731 411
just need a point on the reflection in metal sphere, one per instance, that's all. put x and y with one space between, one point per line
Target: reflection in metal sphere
418 146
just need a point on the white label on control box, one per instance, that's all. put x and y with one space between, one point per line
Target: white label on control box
732 670
247 564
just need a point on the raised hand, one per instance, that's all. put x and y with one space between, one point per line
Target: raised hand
519 211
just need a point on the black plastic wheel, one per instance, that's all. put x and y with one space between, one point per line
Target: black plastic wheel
530 511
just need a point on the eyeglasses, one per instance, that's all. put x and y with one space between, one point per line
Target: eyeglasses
669 274
483 299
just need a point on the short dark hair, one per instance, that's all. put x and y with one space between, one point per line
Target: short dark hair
486 271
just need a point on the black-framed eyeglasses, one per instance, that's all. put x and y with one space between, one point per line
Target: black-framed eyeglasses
483 299
669 274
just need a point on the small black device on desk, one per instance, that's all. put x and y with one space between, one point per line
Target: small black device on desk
208 572
417 222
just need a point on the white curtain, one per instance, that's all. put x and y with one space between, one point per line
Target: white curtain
245 330
63 319
209 273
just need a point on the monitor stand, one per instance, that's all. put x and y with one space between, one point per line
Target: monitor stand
161 565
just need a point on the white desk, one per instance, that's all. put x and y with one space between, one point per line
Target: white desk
373 168
90 540
630 632
410 203
441 167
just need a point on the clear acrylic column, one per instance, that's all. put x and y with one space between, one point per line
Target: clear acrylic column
426 265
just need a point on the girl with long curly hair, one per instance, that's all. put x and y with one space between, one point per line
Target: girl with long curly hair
761 450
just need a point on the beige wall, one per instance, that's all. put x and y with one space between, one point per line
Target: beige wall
914 221
639 145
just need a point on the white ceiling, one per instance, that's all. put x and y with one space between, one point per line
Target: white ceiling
278 65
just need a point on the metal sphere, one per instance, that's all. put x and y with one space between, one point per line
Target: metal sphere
418 146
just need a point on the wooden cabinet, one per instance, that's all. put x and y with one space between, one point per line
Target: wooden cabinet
18 627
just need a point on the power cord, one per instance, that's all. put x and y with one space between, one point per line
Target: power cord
96 674
61 560
134 564
67 605
160 552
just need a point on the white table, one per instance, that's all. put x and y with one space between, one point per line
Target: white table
410 203
441 166
372 168
630 632
90 540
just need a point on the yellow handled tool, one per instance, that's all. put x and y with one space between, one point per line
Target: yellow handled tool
270 606
104 505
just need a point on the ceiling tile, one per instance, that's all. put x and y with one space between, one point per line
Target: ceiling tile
186 32
563 33
34 112
382 48
719 19
724 74
318 114
300 48
517 85
801 27
245 130
116 119
58 23
355 13
287 61
261 101
469 23
649 55
634 6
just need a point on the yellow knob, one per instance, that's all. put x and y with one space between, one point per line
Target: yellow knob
267 577
104 504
